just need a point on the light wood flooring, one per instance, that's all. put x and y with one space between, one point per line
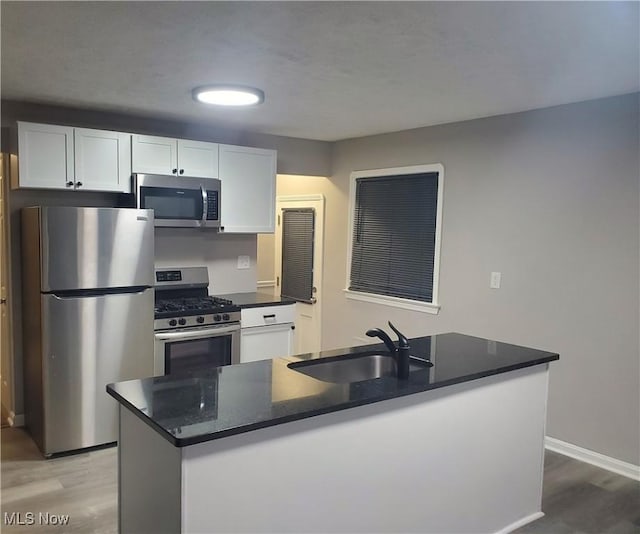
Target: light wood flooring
578 498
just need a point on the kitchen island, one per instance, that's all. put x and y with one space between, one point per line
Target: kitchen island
265 447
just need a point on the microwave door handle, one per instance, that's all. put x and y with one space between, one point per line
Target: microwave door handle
204 205
196 334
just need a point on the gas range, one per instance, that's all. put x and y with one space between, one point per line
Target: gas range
182 301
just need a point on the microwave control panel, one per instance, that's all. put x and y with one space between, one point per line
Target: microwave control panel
212 205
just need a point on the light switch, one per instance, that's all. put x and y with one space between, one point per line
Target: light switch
244 262
494 283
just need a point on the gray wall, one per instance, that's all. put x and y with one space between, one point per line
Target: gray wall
549 198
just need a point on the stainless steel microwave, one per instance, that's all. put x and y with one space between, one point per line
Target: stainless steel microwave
179 201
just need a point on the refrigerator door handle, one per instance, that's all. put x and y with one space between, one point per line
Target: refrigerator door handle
91 293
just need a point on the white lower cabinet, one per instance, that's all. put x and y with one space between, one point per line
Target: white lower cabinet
264 342
266 332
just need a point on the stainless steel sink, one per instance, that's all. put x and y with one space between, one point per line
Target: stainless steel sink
353 368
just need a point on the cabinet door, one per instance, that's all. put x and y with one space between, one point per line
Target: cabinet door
45 156
248 195
154 155
264 342
102 160
197 158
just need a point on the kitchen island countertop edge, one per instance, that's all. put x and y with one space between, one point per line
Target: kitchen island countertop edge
224 401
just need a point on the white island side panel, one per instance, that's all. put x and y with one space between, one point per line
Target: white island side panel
465 458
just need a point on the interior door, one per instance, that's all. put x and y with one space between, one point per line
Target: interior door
308 313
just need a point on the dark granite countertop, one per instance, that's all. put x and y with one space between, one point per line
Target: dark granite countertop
230 400
256 299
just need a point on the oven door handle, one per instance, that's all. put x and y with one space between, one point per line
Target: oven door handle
196 334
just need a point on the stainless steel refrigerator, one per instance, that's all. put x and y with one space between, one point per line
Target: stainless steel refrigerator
87 278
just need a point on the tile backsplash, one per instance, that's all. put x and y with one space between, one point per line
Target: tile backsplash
189 247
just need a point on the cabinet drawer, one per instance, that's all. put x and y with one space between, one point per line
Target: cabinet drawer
267 315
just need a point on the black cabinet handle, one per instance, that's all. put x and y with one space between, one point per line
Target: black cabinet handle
175 171
69 184
78 184
181 171
270 316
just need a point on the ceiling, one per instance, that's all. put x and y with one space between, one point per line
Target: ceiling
330 70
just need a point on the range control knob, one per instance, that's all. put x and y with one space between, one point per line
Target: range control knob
216 317
173 322
200 319
182 321
226 316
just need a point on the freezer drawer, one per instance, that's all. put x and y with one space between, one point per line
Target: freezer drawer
88 342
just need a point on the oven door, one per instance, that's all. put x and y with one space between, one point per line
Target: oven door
196 348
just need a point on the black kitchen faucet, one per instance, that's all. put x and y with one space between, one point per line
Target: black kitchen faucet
401 353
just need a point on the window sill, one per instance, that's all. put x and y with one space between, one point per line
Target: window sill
406 304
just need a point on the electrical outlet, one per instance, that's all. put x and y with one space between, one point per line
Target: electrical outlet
494 282
244 262
491 347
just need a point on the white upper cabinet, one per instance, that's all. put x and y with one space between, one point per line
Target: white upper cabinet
102 160
154 155
83 159
45 156
197 158
181 157
248 195
62 157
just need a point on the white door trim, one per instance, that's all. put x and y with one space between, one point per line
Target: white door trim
300 198
8 167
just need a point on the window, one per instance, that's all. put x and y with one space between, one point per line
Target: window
395 245
298 226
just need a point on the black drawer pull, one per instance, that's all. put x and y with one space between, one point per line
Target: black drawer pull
270 316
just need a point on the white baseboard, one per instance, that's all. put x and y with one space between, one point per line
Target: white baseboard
520 523
594 458
15 420
266 283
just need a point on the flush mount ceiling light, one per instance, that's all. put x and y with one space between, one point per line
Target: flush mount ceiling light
228 95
